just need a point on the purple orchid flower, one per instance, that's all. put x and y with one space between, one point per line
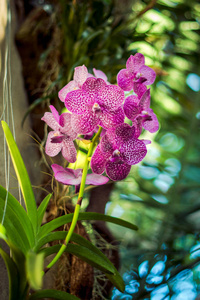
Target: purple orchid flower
135 72
118 150
99 74
80 76
138 110
95 104
62 136
73 177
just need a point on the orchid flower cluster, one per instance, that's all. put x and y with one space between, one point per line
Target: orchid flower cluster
94 104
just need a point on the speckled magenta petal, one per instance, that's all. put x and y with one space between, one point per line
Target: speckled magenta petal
55 113
85 123
110 97
100 74
65 122
110 119
93 85
139 89
123 133
71 86
50 120
52 149
145 100
57 168
137 124
131 108
98 161
133 151
125 80
96 179
148 73
106 146
77 101
66 178
80 75
117 170
134 63
69 150
151 123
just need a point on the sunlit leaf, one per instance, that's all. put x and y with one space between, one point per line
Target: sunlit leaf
34 269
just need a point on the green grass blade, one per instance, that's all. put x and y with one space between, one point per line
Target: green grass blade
20 214
83 253
54 224
12 275
53 294
22 176
42 208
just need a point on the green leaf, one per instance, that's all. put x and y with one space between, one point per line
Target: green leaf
52 225
22 176
19 213
116 279
12 275
42 208
53 294
15 230
85 254
34 269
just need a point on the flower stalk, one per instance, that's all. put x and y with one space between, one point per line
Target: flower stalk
79 201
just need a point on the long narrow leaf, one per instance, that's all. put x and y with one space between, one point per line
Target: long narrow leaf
20 214
42 209
12 275
54 224
14 228
85 254
116 279
22 176
34 268
53 294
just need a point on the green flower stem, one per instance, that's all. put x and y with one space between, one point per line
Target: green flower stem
79 201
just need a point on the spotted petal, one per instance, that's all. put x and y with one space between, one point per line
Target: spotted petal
131 109
117 170
77 101
50 120
147 73
125 80
110 119
52 149
133 151
71 86
69 150
98 161
65 122
85 123
134 63
151 124
110 97
80 75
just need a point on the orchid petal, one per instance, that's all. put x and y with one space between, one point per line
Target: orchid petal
85 123
71 86
133 151
80 75
125 80
50 121
52 149
110 119
65 122
147 73
93 85
110 97
134 63
117 170
151 124
77 101
67 178
55 113
96 179
69 150
100 74
131 109
139 89
98 161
